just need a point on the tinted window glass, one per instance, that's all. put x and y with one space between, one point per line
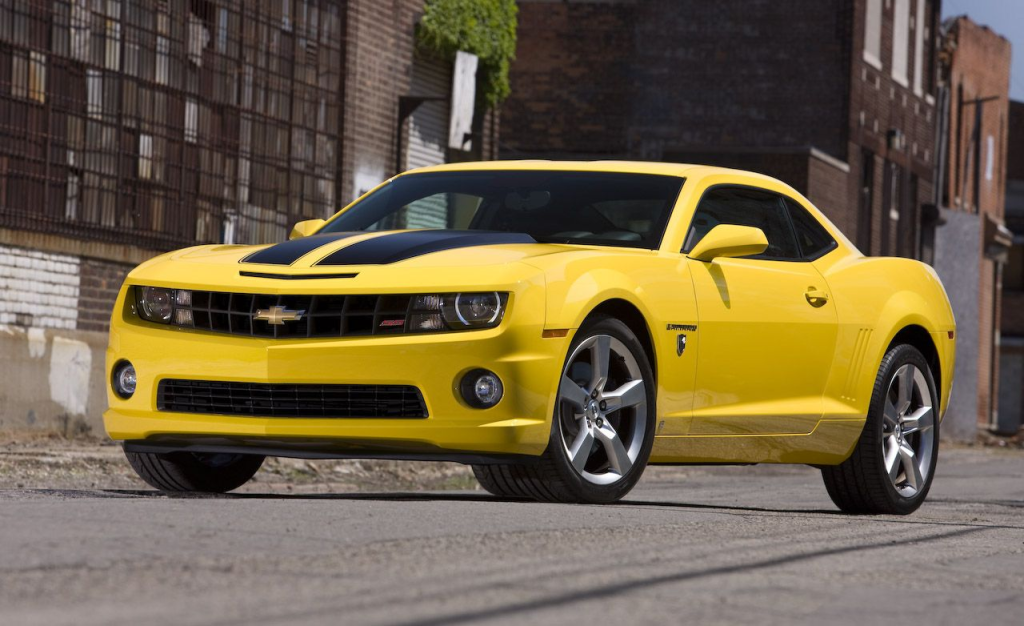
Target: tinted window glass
602 208
741 206
814 240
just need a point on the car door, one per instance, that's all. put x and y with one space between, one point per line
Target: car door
766 323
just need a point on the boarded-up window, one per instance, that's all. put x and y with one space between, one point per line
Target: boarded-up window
191 120
900 41
145 157
94 87
80 35
19 76
113 52
920 29
873 33
37 77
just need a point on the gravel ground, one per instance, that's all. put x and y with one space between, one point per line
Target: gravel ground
48 461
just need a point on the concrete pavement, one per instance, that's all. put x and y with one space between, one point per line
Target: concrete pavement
731 545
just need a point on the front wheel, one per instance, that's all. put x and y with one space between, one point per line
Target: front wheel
602 429
192 471
890 470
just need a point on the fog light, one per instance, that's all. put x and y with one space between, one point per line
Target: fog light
482 389
124 379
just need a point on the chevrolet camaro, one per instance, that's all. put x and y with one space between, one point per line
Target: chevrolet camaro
558 326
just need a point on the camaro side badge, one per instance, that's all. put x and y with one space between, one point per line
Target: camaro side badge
278 315
681 338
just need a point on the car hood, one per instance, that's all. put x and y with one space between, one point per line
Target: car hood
372 262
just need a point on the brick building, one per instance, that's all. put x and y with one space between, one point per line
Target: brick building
842 99
1011 362
967 243
834 97
132 127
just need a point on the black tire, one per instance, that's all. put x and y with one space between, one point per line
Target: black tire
552 478
496 480
187 471
861 485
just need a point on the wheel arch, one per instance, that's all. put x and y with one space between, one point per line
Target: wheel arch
917 336
630 315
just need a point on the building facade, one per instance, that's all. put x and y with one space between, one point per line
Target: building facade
1011 345
842 99
835 97
967 241
133 127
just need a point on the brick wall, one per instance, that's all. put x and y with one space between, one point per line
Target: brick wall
100 283
644 78
980 68
572 81
39 289
378 70
47 290
879 105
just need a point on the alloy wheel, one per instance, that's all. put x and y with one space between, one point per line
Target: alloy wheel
908 430
602 409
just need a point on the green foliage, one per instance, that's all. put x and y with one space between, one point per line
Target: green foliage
486 28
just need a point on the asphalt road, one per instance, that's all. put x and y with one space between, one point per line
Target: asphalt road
757 545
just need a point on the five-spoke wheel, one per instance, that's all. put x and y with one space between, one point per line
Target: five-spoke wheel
908 432
603 424
892 465
602 409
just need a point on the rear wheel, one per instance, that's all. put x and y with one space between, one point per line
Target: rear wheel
891 468
603 425
191 471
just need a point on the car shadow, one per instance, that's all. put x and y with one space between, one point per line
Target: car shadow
393 496
484 498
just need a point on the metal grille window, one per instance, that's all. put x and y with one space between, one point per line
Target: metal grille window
168 122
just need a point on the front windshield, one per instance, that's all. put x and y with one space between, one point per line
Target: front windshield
597 208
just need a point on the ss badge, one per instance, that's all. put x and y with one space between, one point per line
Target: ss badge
680 344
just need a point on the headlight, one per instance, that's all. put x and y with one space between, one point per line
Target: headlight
473 310
155 304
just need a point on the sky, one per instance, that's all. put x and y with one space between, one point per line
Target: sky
1005 17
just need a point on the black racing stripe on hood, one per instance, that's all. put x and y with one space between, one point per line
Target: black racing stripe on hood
400 246
291 251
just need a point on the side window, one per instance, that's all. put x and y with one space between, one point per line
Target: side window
743 206
814 240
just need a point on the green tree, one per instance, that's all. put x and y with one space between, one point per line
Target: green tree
486 28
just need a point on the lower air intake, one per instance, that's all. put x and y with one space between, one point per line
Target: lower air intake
275 400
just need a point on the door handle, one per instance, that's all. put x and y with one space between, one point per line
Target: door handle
816 297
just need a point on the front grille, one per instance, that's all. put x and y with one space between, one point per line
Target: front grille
277 400
320 316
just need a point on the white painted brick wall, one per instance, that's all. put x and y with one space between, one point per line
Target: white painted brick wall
38 289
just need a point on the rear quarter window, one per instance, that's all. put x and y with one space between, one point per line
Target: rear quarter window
812 237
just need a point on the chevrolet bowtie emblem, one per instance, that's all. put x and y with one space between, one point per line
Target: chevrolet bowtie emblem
278 315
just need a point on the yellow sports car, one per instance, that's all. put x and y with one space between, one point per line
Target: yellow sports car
558 326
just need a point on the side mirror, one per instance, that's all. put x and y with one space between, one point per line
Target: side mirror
306 228
728 240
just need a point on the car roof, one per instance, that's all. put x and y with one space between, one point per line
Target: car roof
685 170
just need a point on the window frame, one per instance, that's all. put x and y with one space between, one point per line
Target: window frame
781 198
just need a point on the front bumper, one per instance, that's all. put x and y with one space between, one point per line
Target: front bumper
528 365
